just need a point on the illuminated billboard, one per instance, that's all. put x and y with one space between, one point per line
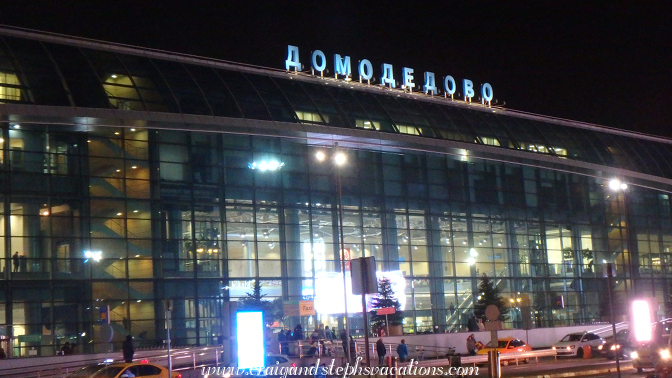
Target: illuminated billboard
250 339
329 292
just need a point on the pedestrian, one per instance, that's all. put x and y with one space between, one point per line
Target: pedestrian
344 342
298 332
472 324
66 349
402 351
451 308
281 340
314 336
321 371
471 345
2 353
328 334
380 349
15 261
127 349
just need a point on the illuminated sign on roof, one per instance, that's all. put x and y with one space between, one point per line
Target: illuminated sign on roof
343 68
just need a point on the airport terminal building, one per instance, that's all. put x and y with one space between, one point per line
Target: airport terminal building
129 176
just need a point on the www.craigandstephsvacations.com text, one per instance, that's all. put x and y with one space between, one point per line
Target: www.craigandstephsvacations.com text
323 370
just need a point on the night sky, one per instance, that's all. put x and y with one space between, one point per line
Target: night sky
603 62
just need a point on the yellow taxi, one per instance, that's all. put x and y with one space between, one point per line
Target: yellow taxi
508 345
124 370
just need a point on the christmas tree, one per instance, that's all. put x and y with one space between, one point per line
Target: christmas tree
255 301
384 299
488 294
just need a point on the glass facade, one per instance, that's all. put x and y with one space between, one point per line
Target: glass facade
112 200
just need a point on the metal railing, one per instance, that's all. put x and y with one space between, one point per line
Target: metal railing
418 352
506 358
59 366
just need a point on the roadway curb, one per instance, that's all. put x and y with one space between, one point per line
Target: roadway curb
575 373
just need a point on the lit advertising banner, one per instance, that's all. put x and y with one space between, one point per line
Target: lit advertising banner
329 292
250 339
641 320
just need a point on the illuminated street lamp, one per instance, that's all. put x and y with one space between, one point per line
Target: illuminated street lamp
617 186
339 159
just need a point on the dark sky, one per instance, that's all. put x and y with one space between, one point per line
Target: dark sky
603 62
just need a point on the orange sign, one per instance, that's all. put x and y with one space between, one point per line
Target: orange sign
385 311
306 308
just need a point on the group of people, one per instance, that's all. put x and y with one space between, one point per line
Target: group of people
381 350
320 334
475 324
19 263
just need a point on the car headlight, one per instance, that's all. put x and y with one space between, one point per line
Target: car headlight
599 347
615 346
553 348
634 355
664 354
570 347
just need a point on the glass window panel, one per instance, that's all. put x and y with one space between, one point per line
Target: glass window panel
189 96
40 72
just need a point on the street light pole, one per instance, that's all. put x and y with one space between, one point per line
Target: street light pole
338 159
610 288
342 247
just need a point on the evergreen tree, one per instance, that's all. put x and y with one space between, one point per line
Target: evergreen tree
488 294
386 298
255 302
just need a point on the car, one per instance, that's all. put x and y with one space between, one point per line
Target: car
124 370
649 353
572 344
623 346
507 345
270 360
279 360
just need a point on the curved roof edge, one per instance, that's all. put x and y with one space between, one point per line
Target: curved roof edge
315 134
199 60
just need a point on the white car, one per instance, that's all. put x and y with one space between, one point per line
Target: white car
572 344
270 361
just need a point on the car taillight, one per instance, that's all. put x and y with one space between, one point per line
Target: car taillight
144 361
293 364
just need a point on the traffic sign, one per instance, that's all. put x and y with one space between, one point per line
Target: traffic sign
386 311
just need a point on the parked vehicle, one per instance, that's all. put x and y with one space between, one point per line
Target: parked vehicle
572 344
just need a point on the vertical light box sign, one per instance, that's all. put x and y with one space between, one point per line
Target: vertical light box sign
250 336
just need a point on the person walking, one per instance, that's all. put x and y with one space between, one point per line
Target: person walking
402 351
127 349
451 308
380 349
471 345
